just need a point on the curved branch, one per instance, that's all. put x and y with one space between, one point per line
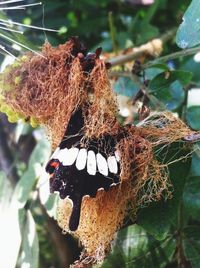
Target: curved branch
66 247
182 53
153 47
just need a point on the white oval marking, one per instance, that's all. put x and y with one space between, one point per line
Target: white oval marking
70 156
117 155
62 154
91 163
55 154
112 164
81 159
102 165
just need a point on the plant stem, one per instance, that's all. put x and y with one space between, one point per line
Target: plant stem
112 32
138 51
65 246
172 56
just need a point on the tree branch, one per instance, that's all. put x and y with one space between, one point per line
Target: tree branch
65 246
182 53
112 31
153 47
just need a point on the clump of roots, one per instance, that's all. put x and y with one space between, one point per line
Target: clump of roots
143 179
48 89
101 115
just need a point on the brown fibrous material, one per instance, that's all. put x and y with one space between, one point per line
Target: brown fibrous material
51 88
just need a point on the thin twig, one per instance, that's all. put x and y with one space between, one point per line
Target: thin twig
9 23
13 41
66 247
182 53
145 48
10 1
112 32
20 7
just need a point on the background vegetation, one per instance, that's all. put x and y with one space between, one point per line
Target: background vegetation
165 234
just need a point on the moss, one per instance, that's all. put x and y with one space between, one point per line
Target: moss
33 122
19 61
13 118
17 80
4 87
12 75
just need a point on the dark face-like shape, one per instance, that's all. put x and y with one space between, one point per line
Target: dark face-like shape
77 170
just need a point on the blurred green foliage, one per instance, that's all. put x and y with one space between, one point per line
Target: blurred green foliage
89 20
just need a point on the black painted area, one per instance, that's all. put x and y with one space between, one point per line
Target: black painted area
73 183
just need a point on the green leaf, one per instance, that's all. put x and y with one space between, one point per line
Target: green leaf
123 40
192 66
38 157
10 233
22 129
9 226
191 197
195 167
143 31
135 248
150 73
49 201
168 87
160 66
193 117
6 191
146 33
158 216
30 245
125 86
51 205
163 80
177 96
106 44
188 34
191 245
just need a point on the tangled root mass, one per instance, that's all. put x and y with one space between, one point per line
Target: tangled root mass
48 89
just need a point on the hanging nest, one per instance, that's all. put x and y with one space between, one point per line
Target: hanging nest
47 89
